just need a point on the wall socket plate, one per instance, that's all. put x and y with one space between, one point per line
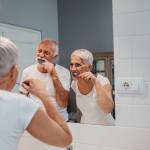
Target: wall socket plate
130 85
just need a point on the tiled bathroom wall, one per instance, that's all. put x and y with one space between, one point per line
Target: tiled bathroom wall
131 25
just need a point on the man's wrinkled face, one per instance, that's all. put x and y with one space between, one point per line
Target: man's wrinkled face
45 51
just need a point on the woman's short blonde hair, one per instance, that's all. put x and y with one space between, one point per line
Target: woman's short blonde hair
84 54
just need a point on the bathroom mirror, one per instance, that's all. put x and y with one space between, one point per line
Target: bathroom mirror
74 23
90 27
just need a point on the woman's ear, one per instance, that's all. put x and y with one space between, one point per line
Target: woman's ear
90 67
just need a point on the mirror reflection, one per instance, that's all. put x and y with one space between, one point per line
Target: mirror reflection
93 91
87 27
80 26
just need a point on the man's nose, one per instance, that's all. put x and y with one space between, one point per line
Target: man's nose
42 54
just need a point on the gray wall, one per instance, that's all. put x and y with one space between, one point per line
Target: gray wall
84 24
36 14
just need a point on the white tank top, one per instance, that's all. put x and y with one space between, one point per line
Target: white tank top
91 112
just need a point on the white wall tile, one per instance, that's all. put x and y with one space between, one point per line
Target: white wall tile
141 48
104 148
144 98
124 99
141 117
123 47
115 148
123 68
132 24
133 115
124 115
120 6
106 137
140 68
78 146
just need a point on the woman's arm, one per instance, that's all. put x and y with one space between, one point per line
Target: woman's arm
103 92
104 97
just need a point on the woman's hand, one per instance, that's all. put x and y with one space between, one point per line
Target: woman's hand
89 76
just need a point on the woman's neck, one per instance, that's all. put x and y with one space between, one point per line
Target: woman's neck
84 86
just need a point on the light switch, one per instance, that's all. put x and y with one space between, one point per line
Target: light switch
129 85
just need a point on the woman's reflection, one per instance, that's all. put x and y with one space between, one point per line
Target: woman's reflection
93 94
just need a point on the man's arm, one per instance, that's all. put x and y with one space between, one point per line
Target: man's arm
48 126
62 95
52 132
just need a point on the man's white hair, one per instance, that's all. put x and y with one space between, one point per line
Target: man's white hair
8 55
85 55
56 47
56 53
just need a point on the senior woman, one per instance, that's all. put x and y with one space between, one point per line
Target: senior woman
93 94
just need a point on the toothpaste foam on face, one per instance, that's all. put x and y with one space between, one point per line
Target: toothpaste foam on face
40 61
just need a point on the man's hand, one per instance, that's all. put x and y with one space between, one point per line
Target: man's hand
46 66
35 87
49 67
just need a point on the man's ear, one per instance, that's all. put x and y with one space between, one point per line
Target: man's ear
55 59
55 56
9 80
14 73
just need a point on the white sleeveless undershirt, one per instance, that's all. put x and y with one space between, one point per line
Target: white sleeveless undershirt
91 112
